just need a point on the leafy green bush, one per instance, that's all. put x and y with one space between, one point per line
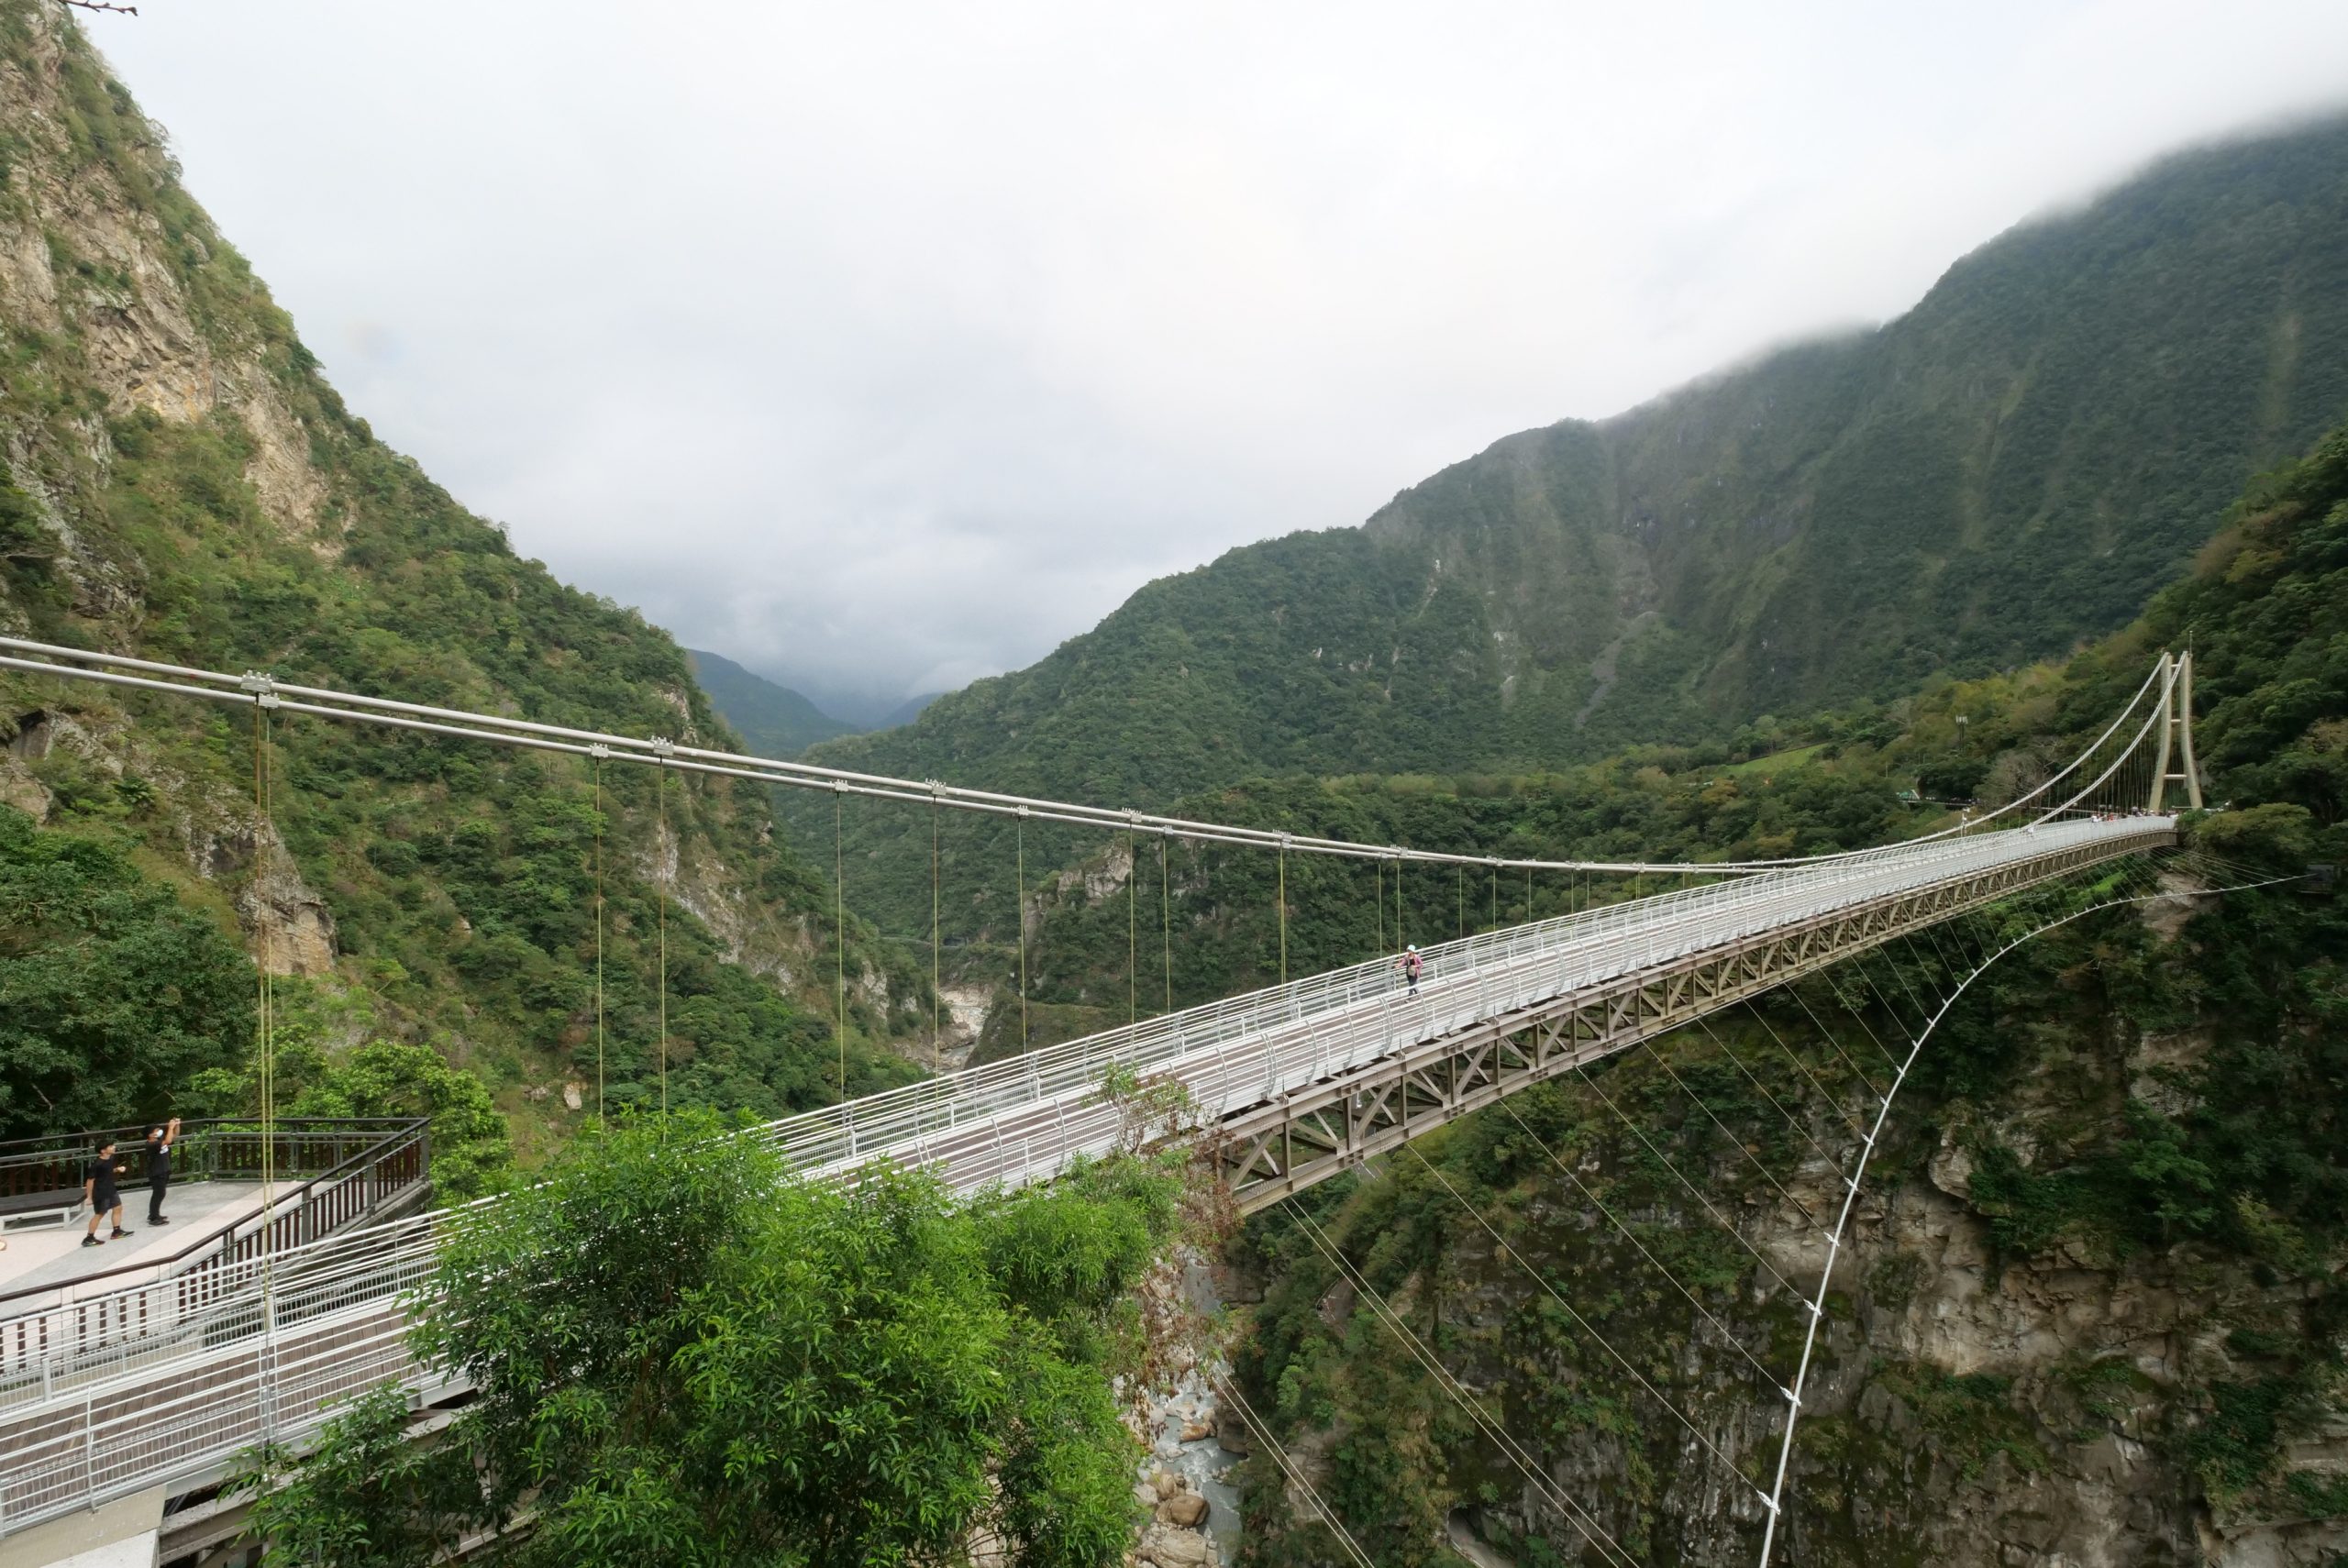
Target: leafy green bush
683 1356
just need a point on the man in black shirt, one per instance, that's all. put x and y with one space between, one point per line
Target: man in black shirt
159 1168
98 1191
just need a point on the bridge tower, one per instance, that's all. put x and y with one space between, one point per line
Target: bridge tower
2177 731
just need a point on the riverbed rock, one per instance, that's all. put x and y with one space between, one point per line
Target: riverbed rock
1169 1548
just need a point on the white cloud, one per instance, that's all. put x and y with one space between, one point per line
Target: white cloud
887 345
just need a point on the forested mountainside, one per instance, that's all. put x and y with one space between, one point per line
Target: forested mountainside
182 483
773 721
2013 465
2093 1310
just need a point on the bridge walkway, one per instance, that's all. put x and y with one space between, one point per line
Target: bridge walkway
99 1400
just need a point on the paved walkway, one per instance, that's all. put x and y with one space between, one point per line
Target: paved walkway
199 1209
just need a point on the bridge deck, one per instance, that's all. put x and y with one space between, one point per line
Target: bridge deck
111 1396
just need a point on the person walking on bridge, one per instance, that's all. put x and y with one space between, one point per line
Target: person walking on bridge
159 1168
1413 967
99 1192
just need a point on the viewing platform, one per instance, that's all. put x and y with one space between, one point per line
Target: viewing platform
237 1193
52 1258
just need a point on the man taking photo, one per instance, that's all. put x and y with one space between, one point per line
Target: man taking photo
159 1168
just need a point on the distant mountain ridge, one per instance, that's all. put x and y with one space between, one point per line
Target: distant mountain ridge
774 719
2011 467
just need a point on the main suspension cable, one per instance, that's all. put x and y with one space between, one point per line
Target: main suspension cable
112 670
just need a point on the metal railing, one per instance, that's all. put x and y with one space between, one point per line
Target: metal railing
1296 1034
214 1148
248 1362
68 1332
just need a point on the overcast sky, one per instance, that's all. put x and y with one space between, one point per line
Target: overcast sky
884 345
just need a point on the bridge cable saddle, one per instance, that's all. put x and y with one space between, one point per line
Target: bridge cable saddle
664 747
600 751
263 685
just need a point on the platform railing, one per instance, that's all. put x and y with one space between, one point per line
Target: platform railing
65 1332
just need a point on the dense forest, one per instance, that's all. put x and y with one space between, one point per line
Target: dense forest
2138 1124
773 721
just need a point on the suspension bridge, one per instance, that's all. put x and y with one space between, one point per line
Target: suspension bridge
154 1386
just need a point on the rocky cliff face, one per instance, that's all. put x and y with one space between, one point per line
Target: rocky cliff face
2000 1380
181 483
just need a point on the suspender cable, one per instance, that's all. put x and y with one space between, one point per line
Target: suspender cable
1463 899
1380 902
937 989
599 940
1019 913
667 880
1528 895
1166 919
1283 914
1496 895
1133 929
839 940
266 1022
1397 903
266 1056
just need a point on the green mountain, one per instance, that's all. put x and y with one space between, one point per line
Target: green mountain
2012 466
773 721
2108 1214
182 482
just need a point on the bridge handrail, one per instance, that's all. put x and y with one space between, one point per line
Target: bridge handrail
333 1300
815 1140
65 1328
54 1160
1065 1079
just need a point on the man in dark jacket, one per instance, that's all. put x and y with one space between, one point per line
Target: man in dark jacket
159 1168
99 1192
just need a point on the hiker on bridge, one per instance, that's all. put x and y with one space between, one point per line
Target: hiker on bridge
159 1168
99 1192
1413 967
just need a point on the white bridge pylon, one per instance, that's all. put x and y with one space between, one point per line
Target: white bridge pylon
154 1383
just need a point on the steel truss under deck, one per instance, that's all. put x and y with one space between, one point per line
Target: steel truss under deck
1307 1135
